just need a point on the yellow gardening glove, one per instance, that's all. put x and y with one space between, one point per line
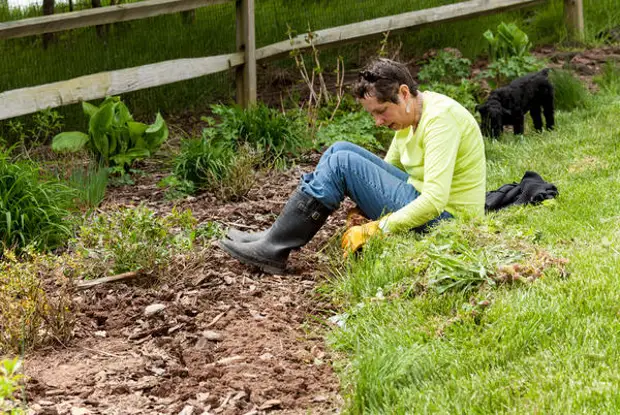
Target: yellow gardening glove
355 237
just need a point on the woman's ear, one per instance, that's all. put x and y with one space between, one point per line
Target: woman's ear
404 90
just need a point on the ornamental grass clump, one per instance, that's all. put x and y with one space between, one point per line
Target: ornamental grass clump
264 129
569 92
34 208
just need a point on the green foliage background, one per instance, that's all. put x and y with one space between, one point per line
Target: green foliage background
80 52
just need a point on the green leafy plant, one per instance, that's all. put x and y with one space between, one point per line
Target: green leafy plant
36 130
504 70
204 161
175 187
47 123
569 92
356 127
210 230
509 41
113 135
509 51
134 239
33 208
10 384
445 67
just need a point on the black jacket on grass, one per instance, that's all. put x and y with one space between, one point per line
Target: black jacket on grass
532 190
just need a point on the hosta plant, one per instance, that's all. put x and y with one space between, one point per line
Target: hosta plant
113 135
509 41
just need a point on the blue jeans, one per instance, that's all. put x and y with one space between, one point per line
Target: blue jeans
376 186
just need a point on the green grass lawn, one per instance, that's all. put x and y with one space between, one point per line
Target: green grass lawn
423 334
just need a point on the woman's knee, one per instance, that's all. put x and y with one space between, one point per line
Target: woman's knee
342 146
342 161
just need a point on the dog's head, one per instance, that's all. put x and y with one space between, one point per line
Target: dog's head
493 117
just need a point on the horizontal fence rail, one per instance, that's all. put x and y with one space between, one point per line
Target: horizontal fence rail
85 88
357 31
32 99
99 16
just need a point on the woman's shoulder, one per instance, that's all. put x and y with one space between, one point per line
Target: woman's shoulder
438 102
439 106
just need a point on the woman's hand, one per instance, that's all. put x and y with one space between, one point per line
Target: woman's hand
355 237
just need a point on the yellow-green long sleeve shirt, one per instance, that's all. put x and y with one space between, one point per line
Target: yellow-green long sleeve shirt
445 160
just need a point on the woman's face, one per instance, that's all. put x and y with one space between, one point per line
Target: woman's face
389 114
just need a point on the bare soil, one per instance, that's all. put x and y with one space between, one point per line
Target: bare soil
230 340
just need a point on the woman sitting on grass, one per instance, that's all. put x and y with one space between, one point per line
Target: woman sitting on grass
434 169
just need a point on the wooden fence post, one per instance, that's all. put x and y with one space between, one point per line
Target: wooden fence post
573 15
246 43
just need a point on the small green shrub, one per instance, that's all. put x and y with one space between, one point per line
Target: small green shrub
569 92
609 79
215 166
175 187
36 130
504 70
510 41
36 299
33 208
113 135
134 239
356 127
210 230
10 384
205 162
509 52
446 67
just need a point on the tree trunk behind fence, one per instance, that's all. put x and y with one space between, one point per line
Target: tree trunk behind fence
99 28
188 17
48 9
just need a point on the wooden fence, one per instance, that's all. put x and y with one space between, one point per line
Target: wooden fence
85 88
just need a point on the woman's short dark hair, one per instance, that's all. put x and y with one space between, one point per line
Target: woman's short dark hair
382 78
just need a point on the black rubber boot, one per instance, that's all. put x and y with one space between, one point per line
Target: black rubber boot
299 221
241 236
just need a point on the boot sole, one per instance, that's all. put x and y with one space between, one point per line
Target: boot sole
269 269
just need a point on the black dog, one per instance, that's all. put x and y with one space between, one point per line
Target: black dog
509 104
